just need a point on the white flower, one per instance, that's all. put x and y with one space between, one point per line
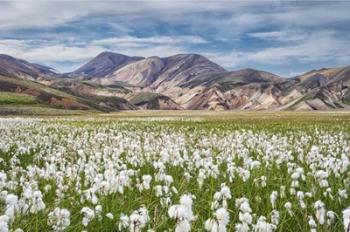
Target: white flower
18 230
3 178
37 203
263 226
183 226
219 223
222 216
320 211
98 211
246 218
242 227
283 191
136 221
343 194
312 224
89 215
346 219
59 219
110 216
186 200
158 190
244 215
47 188
273 198
222 196
301 197
275 217
330 218
288 207
182 213
124 222
4 223
211 225
11 205
146 183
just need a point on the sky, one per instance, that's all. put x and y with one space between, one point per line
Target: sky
282 37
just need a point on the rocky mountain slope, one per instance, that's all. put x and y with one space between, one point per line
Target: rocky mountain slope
10 66
103 64
59 98
113 81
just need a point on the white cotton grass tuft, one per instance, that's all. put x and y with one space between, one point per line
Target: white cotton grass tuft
288 207
124 222
245 217
59 219
346 219
219 223
263 226
182 213
320 212
145 184
136 221
275 217
312 224
18 230
110 216
343 194
11 205
331 216
4 223
273 198
88 215
221 197
37 203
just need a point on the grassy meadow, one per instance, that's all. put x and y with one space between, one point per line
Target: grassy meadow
176 171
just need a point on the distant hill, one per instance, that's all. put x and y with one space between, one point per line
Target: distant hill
111 82
18 92
10 66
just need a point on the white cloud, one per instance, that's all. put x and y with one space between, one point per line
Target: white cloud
301 32
323 46
44 13
132 41
281 36
242 15
53 52
319 47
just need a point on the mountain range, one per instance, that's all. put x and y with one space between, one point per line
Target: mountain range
112 82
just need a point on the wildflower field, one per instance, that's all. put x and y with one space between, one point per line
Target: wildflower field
176 172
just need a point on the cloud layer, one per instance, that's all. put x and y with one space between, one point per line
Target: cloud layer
280 36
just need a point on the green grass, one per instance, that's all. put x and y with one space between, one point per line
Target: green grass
36 86
40 110
144 97
63 135
47 92
9 98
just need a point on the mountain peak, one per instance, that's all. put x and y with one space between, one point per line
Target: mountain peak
189 57
167 72
112 55
104 64
257 75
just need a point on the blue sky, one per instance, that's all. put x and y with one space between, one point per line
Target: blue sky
283 37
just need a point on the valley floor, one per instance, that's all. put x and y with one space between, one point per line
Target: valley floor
184 170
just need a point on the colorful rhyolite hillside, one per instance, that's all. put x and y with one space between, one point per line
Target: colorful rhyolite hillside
112 82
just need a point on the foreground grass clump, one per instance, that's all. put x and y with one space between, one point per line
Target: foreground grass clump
189 174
